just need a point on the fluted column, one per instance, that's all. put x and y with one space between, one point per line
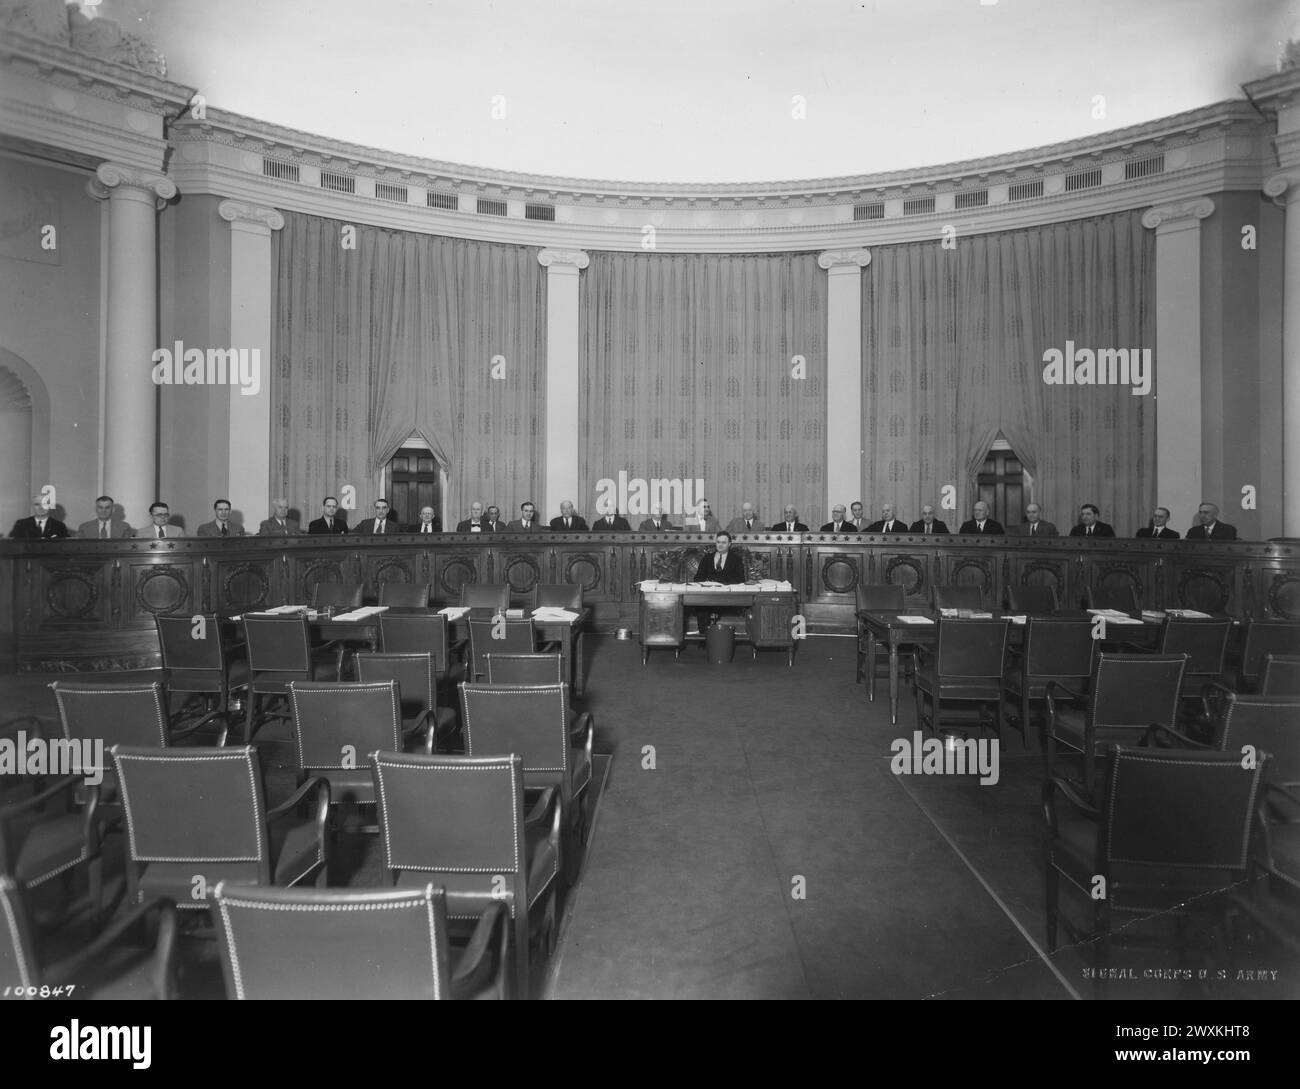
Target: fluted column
251 225
563 426
130 401
1177 388
844 452
1285 191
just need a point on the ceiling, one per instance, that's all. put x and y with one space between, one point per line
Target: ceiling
710 90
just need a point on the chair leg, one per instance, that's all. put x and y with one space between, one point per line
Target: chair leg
1053 893
250 711
521 950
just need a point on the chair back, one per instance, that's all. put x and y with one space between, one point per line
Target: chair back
1058 646
529 720
416 634
1205 642
190 647
336 726
1033 597
196 807
1268 724
277 644
561 595
404 595
19 966
117 714
333 943
498 635
336 595
524 668
486 595
1132 691
881 597
452 814
971 649
1264 637
1187 814
412 673
957 597
1281 676
1121 598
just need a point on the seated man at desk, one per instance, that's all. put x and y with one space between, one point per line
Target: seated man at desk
721 566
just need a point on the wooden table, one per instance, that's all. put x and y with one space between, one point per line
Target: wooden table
663 615
887 629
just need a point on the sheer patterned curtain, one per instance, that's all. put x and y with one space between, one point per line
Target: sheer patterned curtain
953 344
706 367
407 334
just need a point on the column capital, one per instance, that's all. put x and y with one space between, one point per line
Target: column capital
1276 187
117 179
575 259
256 217
844 259
1178 216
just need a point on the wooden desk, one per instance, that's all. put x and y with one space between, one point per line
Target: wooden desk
662 615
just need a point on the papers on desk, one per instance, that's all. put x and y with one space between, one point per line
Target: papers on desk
1114 616
362 614
766 586
1019 618
454 612
280 610
1188 614
914 619
555 615
1152 614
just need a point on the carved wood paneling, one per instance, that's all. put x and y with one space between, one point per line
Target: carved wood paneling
839 573
163 588
73 593
908 572
1206 588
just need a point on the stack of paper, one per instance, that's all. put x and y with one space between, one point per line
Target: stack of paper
1019 618
283 609
363 614
1189 614
555 614
454 612
915 619
1114 616
1152 614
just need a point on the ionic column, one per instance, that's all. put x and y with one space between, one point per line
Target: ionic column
563 430
1177 386
844 268
251 225
130 406
1285 190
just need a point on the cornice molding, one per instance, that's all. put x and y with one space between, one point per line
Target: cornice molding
1275 92
1170 214
556 258
240 212
840 259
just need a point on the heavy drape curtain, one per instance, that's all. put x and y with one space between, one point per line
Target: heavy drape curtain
952 349
402 335
706 367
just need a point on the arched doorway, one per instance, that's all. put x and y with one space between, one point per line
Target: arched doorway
413 479
24 437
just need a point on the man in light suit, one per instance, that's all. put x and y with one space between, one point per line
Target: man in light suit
747 522
279 524
1210 528
221 525
791 523
981 525
568 522
527 520
611 521
331 521
1159 527
703 520
858 516
928 525
657 522
41 526
1034 525
105 526
838 523
159 519
888 523
381 524
1090 523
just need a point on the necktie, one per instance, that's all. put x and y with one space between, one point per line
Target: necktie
223 530
379 526
103 531
925 528
1090 531
568 523
1033 528
427 527
280 523
161 534
329 524
749 523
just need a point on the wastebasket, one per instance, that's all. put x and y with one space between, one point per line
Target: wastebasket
720 640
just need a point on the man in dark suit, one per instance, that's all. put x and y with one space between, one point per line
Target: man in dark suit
568 522
1090 524
1210 528
747 522
475 523
279 524
981 524
428 522
858 516
527 520
888 523
1034 525
40 526
839 523
791 523
332 520
493 516
611 522
657 522
221 525
1159 527
106 525
927 525
381 524
721 565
